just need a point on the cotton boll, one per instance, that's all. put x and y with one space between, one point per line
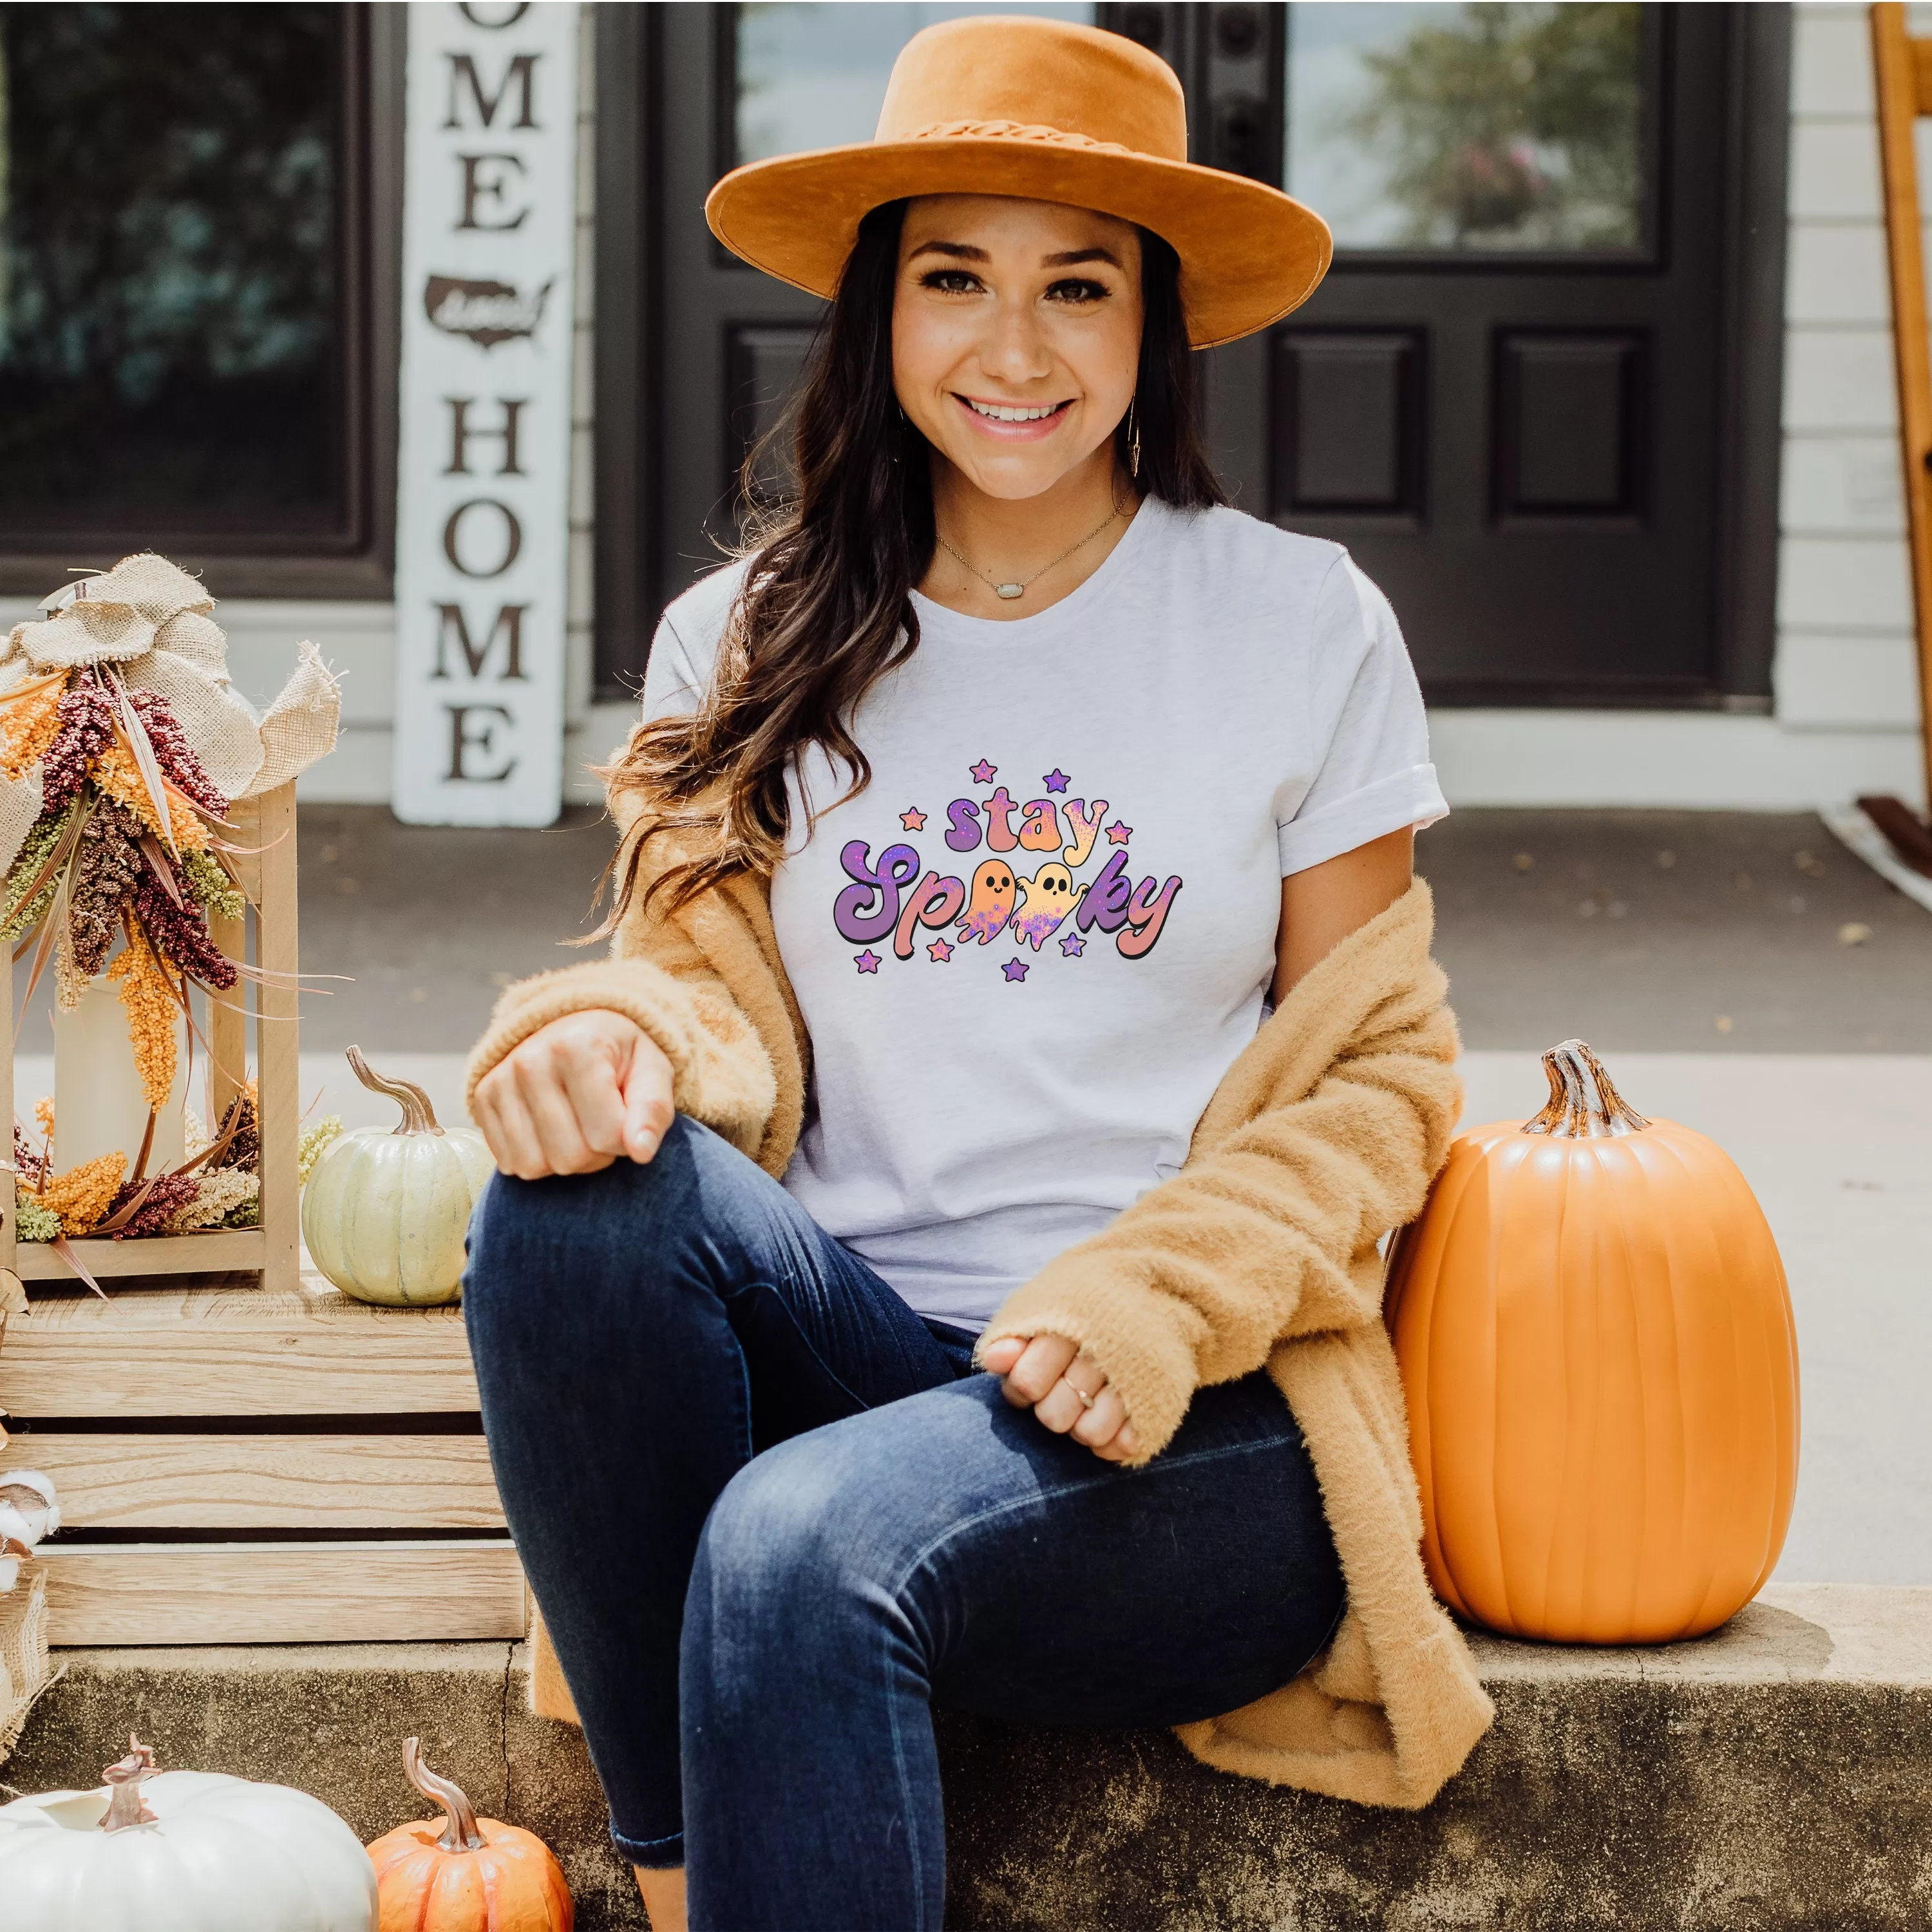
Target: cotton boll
29 1510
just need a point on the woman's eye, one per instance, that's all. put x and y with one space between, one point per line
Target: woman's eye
949 281
1078 291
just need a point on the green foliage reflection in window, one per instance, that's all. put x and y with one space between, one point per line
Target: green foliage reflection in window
1474 127
169 337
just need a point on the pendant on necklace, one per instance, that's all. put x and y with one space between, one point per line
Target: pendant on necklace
1008 591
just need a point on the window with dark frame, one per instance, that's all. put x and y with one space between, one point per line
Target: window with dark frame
189 279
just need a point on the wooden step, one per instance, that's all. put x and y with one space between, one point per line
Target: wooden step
231 1481
208 1351
198 1593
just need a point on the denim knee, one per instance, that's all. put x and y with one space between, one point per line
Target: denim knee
782 1548
585 1217
577 1249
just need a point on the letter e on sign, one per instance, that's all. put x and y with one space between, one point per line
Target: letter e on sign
483 485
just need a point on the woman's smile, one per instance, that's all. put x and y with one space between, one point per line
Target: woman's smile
1013 422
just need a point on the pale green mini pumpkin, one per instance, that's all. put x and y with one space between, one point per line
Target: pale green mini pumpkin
384 1212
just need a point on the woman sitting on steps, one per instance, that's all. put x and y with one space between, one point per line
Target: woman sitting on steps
921 1271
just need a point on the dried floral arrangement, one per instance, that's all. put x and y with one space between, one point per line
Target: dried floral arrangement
218 1186
122 744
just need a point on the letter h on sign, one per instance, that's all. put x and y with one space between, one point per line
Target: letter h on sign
482 526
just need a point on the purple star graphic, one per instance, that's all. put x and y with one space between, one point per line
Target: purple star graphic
913 819
1015 969
867 961
1056 780
940 950
1118 834
982 773
1073 946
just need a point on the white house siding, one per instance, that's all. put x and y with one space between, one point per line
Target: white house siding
1845 652
1845 714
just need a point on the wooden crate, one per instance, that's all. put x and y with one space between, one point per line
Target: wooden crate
315 1427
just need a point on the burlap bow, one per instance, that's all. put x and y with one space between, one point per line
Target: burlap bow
152 622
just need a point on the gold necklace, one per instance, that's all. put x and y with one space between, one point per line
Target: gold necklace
1016 587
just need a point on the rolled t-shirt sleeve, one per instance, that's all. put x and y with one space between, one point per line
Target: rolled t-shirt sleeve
674 688
684 648
1374 776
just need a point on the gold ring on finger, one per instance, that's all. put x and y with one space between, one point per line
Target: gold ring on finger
1086 1401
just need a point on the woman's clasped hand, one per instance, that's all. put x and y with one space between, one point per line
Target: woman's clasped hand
593 1087
575 1095
1066 1390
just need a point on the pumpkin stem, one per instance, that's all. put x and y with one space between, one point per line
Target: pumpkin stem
419 1116
125 1806
460 1834
1583 1105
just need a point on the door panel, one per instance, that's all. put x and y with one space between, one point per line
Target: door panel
1349 421
767 364
1570 425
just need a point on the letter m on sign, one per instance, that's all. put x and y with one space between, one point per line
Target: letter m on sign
453 626
519 74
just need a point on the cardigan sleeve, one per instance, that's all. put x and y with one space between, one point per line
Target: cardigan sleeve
1270 1232
721 1073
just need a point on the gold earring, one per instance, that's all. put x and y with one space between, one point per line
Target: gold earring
1133 443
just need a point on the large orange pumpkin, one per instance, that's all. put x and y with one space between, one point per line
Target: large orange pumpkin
474 1875
1601 1371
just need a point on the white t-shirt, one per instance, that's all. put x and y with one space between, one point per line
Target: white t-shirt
1028 952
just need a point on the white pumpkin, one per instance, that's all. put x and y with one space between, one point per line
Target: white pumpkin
384 1212
181 1851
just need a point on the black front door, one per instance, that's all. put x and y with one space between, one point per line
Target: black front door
1520 397
1505 399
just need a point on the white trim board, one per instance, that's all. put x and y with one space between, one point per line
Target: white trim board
1695 760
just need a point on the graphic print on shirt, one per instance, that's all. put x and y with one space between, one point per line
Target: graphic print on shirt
990 904
898 893
1046 899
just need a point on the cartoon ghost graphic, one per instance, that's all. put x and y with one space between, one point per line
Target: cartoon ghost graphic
990 904
1046 899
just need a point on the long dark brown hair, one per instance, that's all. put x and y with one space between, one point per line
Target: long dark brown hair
826 609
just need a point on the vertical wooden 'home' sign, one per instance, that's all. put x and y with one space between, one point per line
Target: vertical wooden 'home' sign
483 465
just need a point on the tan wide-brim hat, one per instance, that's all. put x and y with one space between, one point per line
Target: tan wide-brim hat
1012 104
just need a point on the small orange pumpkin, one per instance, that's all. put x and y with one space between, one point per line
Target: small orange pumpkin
1601 1370
476 1875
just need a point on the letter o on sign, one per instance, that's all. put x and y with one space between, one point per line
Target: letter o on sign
454 537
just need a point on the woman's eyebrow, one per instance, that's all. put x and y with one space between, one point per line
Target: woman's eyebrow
962 251
959 251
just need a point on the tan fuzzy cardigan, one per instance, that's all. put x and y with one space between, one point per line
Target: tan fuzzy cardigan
1261 1252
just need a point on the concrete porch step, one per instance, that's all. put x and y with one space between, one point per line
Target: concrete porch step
1775 1777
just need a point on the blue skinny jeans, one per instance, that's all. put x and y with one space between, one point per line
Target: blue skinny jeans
772 1516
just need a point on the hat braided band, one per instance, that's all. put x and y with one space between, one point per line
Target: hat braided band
1013 130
